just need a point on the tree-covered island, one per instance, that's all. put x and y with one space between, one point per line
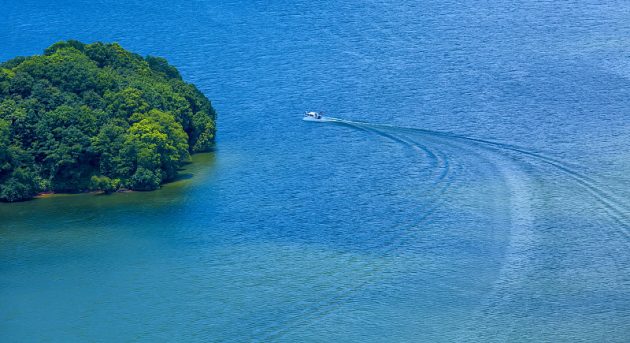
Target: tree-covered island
96 117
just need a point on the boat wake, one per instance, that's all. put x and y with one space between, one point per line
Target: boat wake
510 163
618 208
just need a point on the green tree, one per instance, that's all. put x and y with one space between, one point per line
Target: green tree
157 142
104 184
160 65
20 185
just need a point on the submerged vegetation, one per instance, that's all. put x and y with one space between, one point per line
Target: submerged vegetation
96 117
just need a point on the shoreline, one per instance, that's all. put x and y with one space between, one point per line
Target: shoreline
49 194
198 160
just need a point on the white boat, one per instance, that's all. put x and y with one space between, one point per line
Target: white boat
313 116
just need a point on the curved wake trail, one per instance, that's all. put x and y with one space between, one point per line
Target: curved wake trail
614 206
523 252
521 237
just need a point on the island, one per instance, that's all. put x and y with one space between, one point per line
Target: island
96 117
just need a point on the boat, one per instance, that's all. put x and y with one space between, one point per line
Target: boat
313 116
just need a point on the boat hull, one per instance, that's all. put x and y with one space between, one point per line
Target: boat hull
314 119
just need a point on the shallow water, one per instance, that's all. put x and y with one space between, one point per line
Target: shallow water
474 187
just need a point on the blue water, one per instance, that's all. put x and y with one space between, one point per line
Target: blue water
473 189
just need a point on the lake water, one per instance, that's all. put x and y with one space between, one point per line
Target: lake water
475 188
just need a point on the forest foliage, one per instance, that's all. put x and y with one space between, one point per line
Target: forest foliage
96 117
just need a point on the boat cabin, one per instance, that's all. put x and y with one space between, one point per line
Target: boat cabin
314 115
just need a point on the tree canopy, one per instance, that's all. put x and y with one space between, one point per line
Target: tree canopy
96 117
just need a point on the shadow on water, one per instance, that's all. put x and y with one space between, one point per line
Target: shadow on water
92 207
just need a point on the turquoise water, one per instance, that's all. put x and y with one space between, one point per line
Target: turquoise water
474 188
